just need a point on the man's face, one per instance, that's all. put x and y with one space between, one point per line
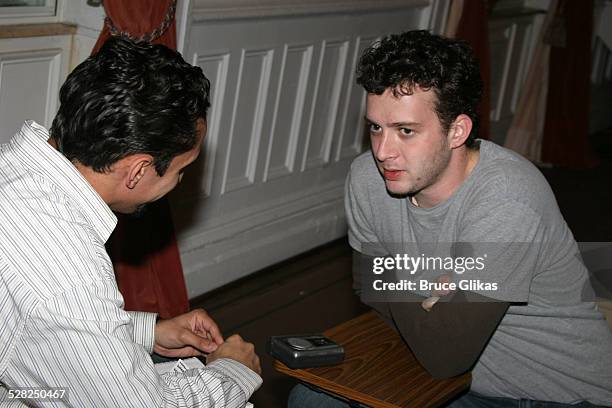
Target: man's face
409 145
152 187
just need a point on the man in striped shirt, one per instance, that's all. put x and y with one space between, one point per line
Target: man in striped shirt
131 118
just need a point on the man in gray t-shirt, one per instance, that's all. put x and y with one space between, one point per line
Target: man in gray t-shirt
550 344
430 191
428 181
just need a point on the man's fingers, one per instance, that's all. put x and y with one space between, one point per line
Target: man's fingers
179 352
234 338
199 342
237 349
214 334
183 352
204 324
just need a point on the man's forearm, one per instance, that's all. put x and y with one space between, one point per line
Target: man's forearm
448 340
381 307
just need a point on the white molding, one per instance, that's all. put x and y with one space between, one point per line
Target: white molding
338 76
313 105
336 100
299 108
260 109
224 182
230 9
224 262
248 178
288 167
279 170
214 120
223 228
353 149
347 97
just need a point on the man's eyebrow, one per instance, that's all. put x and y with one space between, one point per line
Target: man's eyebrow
396 124
405 124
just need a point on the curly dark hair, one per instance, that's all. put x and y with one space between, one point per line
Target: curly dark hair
130 98
420 59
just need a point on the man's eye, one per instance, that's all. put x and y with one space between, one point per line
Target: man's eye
374 128
406 131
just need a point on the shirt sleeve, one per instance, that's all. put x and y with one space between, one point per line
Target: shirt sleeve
144 329
82 340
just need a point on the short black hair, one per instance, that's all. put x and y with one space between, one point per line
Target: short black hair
427 61
130 98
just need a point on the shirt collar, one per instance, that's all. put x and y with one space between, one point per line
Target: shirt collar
30 143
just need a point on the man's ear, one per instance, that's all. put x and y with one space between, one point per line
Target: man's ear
459 131
137 166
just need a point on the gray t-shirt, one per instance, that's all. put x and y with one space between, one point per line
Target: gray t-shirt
554 345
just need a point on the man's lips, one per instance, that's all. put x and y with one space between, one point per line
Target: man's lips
392 175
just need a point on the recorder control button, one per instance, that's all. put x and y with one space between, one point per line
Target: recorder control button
298 343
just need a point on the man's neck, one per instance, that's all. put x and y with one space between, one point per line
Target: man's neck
459 168
99 181
106 184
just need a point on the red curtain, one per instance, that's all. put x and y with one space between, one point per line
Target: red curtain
474 28
144 250
137 18
565 141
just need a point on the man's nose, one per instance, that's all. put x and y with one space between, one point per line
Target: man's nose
384 148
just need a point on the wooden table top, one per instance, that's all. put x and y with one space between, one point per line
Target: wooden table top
379 370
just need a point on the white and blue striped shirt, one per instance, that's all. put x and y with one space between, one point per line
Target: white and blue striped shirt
63 323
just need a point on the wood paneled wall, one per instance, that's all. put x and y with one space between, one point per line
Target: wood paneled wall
286 121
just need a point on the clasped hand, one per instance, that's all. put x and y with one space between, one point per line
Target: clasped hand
196 333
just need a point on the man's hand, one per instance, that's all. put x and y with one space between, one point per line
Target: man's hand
237 349
190 334
428 303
